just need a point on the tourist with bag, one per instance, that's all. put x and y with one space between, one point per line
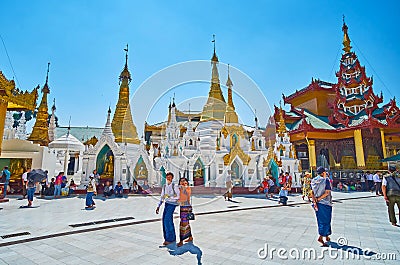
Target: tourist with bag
391 192
186 212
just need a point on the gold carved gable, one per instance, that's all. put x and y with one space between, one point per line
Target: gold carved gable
236 151
16 98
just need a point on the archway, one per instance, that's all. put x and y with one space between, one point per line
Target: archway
236 174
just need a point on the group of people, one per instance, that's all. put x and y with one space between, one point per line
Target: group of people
173 195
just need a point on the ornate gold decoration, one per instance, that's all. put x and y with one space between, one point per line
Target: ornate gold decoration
40 131
236 151
92 141
215 107
230 114
12 98
122 124
346 38
282 126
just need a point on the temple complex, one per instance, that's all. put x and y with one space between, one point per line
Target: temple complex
342 125
208 146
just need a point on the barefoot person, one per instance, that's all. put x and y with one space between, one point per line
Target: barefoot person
391 193
185 232
322 202
169 194
90 192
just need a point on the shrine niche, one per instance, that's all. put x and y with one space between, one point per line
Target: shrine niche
198 173
140 171
105 163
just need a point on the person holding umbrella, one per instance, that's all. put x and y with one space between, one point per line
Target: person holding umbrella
34 176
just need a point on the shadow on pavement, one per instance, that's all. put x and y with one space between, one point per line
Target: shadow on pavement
352 249
188 247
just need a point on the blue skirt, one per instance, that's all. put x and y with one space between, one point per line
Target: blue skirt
324 217
89 199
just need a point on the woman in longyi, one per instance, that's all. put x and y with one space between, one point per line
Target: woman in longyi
185 232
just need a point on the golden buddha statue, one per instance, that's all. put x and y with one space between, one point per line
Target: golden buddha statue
109 166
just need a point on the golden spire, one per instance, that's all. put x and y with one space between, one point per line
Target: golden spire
122 124
346 39
229 84
282 126
230 114
215 106
40 131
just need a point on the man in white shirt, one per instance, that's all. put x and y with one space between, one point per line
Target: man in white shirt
378 184
169 194
370 181
25 181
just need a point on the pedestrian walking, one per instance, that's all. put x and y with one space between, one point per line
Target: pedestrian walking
229 186
6 175
391 193
24 179
57 185
363 182
170 195
30 189
185 231
378 183
370 181
90 192
322 203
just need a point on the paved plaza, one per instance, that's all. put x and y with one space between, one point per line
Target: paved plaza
224 232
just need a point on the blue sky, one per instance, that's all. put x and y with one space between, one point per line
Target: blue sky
280 45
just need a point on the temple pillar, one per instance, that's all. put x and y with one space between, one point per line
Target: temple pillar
245 175
383 146
359 148
312 158
3 112
383 143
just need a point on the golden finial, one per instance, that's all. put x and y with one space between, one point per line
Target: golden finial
215 57
346 38
48 69
126 55
45 88
229 83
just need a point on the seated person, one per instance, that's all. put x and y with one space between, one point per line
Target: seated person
352 186
72 187
107 191
146 187
136 189
358 186
340 186
283 195
50 189
119 190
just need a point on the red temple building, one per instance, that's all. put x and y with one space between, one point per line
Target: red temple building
342 125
